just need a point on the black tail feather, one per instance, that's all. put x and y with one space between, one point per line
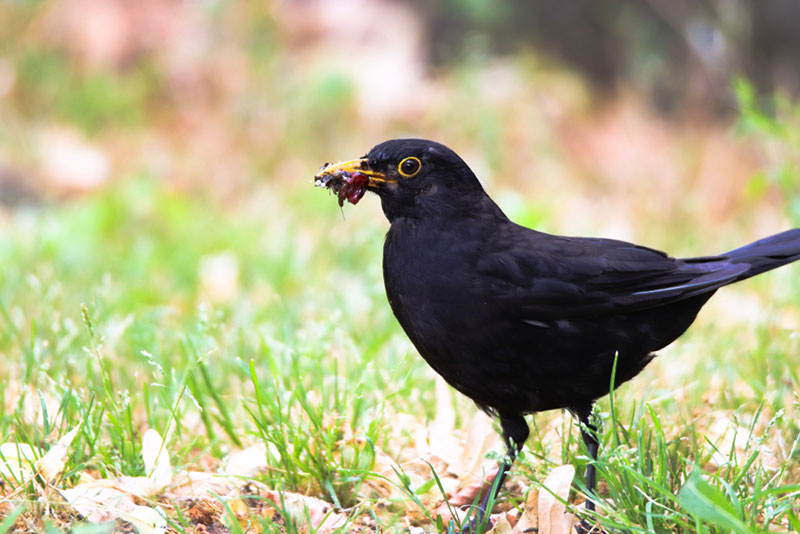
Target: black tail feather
768 253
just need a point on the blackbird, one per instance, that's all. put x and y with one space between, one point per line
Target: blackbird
518 320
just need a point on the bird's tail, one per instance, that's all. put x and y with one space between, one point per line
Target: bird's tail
768 253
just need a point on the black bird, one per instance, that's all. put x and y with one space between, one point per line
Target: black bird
518 320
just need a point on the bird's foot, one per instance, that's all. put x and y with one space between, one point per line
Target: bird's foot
585 526
478 523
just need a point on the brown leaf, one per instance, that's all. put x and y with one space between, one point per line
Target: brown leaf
381 486
98 503
157 464
471 464
405 426
17 461
51 464
473 491
142 487
530 517
156 459
501 525
323 518
200 485
239 513
553 518
441 431
465 497
247 462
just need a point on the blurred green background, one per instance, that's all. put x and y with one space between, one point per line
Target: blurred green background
564 108
159 230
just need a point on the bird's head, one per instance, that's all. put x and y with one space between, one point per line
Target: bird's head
414 178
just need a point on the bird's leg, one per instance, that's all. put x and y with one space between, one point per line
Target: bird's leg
589 435
515 433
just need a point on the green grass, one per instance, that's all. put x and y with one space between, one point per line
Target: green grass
104 325
661 469
258 316
107 324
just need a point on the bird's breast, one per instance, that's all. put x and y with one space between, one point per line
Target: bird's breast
430 274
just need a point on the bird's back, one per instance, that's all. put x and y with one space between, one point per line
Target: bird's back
522 321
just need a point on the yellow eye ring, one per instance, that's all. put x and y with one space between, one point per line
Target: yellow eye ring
409 167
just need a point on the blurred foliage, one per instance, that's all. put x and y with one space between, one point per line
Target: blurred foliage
50 87
110 307
679 52
777 133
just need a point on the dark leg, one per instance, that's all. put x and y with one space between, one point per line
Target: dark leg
515 433
589 435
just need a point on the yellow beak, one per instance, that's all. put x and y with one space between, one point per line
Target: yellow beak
352 166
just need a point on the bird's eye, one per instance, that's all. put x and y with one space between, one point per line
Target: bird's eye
409 166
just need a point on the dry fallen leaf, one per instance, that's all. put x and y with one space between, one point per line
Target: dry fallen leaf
553 518
409 435
146 520
473 491
247 462
156 459
141 487
481 438
98 503
323 518
530 519
17 461
157 465
238 468
51 464
199 485
501 526
465 497
108 499
380 486
441 431
238 514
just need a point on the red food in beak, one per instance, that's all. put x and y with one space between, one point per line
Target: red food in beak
355 185
346 185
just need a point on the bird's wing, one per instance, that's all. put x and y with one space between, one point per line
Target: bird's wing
544 276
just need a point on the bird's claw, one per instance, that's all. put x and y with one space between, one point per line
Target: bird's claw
585 526
476 519
472 526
